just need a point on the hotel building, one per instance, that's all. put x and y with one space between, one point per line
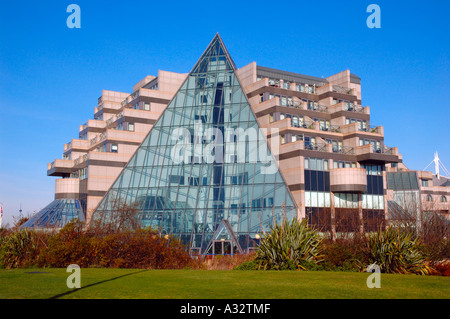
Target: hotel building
332 165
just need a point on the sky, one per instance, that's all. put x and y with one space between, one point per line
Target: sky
51 75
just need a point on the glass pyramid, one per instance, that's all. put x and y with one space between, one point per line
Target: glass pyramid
204 160
56 214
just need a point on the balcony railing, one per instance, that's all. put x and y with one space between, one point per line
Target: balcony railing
331 128
317 107
134 95
93 140
83 127
369 129
302 123
341 89
321 147
80 160
343 149
387 150
353 108
67 146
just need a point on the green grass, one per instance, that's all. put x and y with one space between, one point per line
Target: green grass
196 284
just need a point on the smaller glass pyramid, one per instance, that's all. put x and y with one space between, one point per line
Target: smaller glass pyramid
224 240
56 214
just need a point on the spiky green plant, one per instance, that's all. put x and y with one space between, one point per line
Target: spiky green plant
18 248
397 251
287 244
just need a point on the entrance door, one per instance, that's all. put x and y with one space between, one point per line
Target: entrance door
222 247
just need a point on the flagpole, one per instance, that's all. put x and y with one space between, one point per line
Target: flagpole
1 215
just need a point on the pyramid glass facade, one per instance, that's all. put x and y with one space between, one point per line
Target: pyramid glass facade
56 214
205 160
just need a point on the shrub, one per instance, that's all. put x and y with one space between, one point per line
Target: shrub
396 251
69 246
437 250
140 248
441 268
20 248
228 262
345 254
288 244
248 265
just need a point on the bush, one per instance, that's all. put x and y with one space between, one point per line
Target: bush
288 244
141 248
437 250
227 262
345 254
69 246
248 265
441 268
20 248
396 251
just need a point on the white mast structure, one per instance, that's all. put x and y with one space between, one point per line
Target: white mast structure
437 166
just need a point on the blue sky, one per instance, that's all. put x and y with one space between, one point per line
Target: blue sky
51 76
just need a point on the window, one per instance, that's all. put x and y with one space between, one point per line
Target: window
176 179
429 198
271 118
443 199
147 106
286 85
317 164
283 139
376 145
131 127
310 143
114 148
424 182
300 87
324 125
83 173
342 164
373 169
282 116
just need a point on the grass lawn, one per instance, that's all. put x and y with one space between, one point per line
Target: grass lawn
204 284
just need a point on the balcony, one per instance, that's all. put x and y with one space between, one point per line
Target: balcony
353 107
320 147
342 90
60 167
314 106
302 123
371 152
76 145
330 128
348 107
348 179
343 150
80 160
369 129
93 126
